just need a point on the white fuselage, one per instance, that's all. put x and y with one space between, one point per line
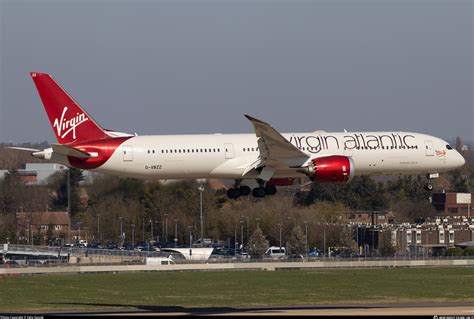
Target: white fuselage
228 155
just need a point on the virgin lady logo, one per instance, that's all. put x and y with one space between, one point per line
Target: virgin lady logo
440 153
64 127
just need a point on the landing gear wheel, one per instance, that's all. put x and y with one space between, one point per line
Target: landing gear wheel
258 192
245 191
270 190
233 193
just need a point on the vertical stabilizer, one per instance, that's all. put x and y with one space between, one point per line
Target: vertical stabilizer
70 122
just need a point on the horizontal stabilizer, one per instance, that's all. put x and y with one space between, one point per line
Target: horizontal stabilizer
70 151
23 149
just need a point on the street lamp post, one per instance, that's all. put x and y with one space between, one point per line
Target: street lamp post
201 189
85 229
306 237
69 192
151 225
242 236
248 236
166 228
235 240
190 240
280 226
98 227
176 232
79 223
121 232
357 239
133 236
324 240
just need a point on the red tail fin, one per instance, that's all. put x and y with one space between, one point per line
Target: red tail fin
70 122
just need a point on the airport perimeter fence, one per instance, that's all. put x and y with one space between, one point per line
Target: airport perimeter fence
36 256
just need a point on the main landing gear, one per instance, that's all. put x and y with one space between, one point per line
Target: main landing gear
241 190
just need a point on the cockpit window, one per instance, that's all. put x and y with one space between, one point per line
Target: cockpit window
449 147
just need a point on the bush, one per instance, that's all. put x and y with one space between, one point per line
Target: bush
454 251
469 251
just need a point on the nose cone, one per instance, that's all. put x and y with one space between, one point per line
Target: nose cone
458 160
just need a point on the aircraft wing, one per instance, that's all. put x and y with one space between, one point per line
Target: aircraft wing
70 151
275 150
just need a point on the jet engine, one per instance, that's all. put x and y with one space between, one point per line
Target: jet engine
330 169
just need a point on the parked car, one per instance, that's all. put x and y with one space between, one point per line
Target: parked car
314 253
112 245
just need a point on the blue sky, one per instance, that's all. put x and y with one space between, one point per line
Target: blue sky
171 67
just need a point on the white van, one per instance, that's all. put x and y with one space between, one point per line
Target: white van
156 261
275 252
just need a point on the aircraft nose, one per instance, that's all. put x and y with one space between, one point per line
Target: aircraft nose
459 160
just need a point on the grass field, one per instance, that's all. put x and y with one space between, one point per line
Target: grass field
142 291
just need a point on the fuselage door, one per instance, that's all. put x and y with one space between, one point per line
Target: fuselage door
429 150
127 153
229 150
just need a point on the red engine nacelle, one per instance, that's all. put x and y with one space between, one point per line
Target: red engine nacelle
330 169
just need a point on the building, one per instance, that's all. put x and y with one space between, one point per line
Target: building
453 204
370 217
41 225
36 173
432 238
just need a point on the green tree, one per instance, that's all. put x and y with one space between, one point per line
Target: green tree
386 247
459 182
59 184
362 193
258 244
297 242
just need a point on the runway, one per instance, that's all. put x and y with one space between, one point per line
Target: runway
420 309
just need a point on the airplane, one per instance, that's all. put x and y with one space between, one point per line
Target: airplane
269 157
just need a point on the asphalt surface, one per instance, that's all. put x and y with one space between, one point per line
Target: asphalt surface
464 309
